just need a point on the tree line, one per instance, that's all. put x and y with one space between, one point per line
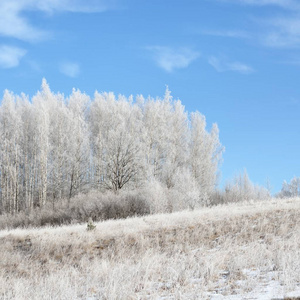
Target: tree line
291 189
54 147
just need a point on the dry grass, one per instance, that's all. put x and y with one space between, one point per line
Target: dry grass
184 255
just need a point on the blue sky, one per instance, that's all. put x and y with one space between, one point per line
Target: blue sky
236 61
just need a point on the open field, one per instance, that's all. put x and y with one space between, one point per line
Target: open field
236 251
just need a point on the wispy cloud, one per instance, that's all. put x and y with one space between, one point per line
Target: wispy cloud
13 22
287 4
280 32
71 5
13 25
10 56
223 65
226 33
283 32
70 69
170 59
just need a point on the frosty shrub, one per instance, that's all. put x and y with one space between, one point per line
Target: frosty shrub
157 196
240 189
186 191
291 189
94 205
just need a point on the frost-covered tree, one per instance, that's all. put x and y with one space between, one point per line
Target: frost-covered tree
53 147
116 141
291 189
205 153
10 135
41 103
29 154
156 116
78 154
166 137
178 138
241 188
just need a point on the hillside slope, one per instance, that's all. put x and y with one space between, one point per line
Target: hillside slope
249 249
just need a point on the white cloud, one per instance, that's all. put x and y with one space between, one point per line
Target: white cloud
70 69
14 24
222 65
170 59
10 56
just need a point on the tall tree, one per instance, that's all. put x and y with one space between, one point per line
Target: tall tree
10 129
41 103
78 154
205 152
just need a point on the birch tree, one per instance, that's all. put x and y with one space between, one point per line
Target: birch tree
41 106
156 116
78 143
10 153
116 142
205 152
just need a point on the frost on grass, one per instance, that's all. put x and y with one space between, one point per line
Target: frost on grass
236 251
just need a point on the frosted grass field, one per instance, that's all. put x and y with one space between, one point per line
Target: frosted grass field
245 250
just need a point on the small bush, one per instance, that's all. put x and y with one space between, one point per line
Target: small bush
90 225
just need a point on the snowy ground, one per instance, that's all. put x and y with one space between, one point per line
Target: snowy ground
261 286
237 251
268 288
